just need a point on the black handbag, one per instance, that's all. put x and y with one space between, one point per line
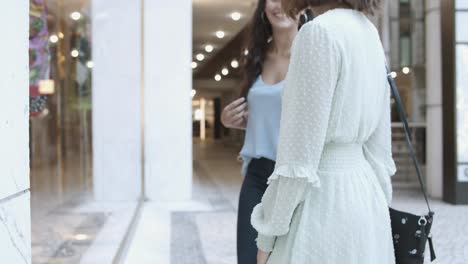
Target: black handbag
410 232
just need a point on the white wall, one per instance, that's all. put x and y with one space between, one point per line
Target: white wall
15 223
434 99
116 99
168 82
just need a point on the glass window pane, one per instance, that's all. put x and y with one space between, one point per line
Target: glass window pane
461 20
461 4
405 51
462 102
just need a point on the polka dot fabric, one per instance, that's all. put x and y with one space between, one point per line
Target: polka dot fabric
327 200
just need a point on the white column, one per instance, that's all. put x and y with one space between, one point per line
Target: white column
434 99
15 218
394 16
168 82
384 28
116 99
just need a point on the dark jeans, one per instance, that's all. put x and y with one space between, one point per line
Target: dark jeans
253 188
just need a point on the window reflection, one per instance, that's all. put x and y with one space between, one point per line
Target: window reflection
461 18
461 4
60 136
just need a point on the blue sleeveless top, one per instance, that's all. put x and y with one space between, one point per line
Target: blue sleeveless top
262 132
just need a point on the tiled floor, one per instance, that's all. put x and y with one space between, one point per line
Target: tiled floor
203 230
69 227
84 231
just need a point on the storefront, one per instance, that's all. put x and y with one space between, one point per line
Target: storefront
61 130
101 142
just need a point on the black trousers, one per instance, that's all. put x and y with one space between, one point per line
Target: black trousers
252 190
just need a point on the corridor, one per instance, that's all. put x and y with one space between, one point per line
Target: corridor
203 230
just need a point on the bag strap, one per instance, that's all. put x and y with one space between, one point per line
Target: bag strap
402 113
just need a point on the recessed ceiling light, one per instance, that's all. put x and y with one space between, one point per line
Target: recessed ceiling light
393 74
90 64
209 48
225 71
217 77
194 64
81 237
75 15
220 34
236 16
246 52
54 38
234 64
406 70
200 57
75 53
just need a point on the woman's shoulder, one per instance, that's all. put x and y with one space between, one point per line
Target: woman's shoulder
334 24
316 31
324 23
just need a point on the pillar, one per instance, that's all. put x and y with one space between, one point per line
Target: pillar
434 147
117 145
167 106
15 217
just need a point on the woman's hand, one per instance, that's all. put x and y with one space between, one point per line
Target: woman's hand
262 257
235 115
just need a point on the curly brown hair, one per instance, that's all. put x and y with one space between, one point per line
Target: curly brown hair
293 7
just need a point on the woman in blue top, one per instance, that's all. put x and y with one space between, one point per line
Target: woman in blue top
265 66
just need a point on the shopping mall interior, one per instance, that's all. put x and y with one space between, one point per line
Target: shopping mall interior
73 221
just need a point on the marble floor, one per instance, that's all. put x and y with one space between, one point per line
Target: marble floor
68 225
202 231
82 231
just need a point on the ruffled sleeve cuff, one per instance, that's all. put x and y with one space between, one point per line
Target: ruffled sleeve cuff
258 222
265 243
296 171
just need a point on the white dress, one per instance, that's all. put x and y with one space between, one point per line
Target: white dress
327 199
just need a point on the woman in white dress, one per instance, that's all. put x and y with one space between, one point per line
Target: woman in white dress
328 197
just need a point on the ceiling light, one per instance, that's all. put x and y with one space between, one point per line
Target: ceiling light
406 70
198 114
225 71
234 64
209 48
193 93
60 34
46 87
75 53
75 16
90 64
194 64
54 38
217 77
393 74
246 52
220 34
236 16
200 57
81 237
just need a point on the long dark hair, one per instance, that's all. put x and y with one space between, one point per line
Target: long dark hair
258 36
256 44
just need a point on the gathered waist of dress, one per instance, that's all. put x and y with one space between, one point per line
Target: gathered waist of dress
341 156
